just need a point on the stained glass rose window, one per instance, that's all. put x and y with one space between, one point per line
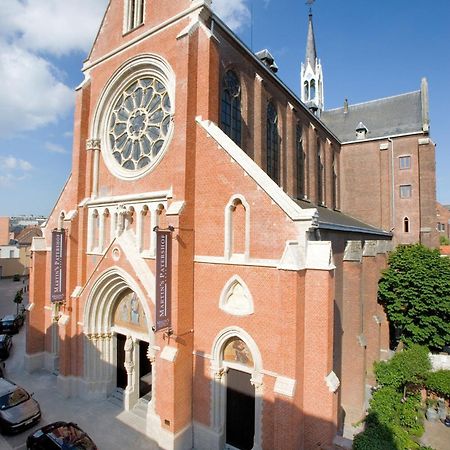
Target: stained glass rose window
139 123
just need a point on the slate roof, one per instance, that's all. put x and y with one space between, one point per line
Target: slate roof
311 53
336 220
401 114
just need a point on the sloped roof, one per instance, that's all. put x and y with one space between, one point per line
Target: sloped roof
336 220
401 114
26 236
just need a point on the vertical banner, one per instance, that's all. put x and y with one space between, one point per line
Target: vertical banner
163 278
58 268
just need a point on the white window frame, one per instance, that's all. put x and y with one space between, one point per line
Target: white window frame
404 158
132 21
402 191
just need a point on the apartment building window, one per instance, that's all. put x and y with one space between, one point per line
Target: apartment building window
405 191
230 117
441 227
404 162
272 142
301 157
134 14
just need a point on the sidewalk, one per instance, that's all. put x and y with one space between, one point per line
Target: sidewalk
109 426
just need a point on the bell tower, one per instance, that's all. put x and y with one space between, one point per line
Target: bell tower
311 76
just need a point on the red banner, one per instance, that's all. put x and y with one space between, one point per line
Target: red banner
163 278
58 268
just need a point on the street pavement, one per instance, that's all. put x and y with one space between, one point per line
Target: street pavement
109 426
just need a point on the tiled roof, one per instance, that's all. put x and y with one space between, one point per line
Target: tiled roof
401 114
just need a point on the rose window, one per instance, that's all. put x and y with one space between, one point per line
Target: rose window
139 123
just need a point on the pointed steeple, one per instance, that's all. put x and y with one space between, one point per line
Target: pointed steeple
311 84
311 54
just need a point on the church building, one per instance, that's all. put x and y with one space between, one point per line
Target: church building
200 179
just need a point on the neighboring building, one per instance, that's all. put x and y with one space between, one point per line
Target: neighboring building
443 220
23 241
4 231
275 323
388 164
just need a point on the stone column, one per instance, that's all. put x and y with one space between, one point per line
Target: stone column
94 145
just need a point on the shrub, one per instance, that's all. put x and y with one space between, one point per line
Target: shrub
409 366
439 382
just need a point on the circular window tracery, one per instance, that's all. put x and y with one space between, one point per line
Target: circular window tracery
139 123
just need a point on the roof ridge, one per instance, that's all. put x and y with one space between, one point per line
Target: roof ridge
375 100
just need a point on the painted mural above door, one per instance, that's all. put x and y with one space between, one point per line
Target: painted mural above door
237 351
129 312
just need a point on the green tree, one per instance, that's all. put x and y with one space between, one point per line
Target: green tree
415 292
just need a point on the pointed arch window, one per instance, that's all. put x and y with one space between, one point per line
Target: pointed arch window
300 158
273 144
230 117
335 180
320 173
312 90
134 14
406 225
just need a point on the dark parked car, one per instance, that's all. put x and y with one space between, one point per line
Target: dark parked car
10 324
60 435
18 410
446 421
5 346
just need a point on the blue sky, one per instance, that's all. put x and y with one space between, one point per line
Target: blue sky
368 48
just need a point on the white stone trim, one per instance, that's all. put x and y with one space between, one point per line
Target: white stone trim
285 386
319 255
169 353
332 382
293 257
224 303
228 226
218 383
130 198
142 65
38 244
280 198
176 208
236 261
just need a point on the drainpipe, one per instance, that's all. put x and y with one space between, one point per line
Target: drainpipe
392 185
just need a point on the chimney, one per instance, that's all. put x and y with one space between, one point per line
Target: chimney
345 106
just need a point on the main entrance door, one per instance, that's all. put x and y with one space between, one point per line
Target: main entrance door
121 371
240 428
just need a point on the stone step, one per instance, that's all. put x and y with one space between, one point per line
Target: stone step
116 397
140 409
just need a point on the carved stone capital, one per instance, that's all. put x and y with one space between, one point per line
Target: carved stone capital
93 144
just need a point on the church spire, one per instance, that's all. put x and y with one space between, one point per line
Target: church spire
311 54
311 76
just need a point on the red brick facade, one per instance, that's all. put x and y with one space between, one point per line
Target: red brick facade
249 264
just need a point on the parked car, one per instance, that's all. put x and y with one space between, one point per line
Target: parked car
5 346
446 421
9 324
60 435
18 409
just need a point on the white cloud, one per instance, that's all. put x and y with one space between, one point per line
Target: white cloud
53 26
12 170
55 148
31 94
235 13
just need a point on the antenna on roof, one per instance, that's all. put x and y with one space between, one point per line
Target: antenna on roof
310 3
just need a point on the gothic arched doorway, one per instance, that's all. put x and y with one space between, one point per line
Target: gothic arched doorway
237 393
119 339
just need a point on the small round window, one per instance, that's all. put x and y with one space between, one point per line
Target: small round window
139 124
